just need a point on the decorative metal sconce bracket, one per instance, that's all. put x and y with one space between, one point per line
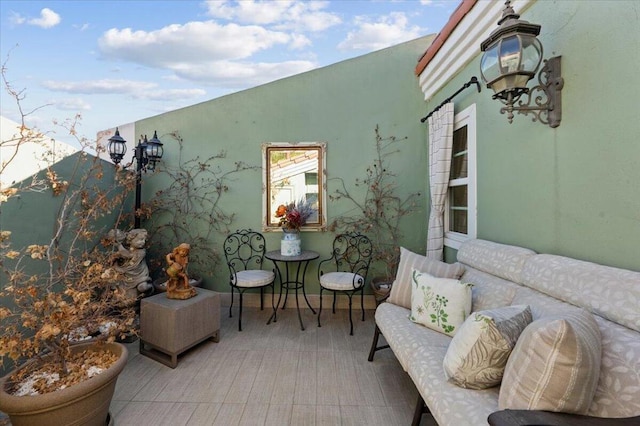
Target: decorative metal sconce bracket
550 88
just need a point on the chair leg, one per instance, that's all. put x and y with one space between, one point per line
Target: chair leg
320 309
350 319
240 313
262 298
231 305
362 301
273 306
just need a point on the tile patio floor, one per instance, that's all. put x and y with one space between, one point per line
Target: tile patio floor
271 375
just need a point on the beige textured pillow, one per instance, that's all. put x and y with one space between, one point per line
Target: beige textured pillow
479 351
400 293
441 304
554 366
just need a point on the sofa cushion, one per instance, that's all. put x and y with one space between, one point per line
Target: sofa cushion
403 336
441 304
450 405
555 365
618 392
497 259
489 291
609 292
400 293
478 353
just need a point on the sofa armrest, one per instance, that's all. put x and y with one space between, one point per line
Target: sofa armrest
547 418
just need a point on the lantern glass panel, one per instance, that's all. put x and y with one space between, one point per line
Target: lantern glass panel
510 54
531 54
489 65
154 150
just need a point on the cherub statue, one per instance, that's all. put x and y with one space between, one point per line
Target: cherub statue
130 261
178 286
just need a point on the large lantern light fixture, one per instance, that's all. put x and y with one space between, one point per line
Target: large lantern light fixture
512 56
147 154
154 151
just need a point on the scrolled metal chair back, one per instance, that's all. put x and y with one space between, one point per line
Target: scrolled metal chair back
244 249
352 252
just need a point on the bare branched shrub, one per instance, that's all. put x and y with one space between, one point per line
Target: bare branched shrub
189 210
378 209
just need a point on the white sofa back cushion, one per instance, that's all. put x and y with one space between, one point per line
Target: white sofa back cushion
497 259
611 293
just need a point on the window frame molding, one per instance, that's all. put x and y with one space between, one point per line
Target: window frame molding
466 117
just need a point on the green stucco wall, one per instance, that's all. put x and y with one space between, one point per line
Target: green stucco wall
573 190
340 104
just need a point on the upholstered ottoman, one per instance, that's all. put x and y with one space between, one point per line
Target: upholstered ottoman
169 327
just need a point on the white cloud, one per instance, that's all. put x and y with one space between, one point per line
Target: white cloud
72 104
92 87
133 89
17 19
386 31
207 52
48 18
283 14
239 75
298 41
169 94
193 42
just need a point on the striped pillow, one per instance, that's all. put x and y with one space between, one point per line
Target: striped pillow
554 366
400 293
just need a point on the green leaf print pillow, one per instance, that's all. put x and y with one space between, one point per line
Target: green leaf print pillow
441 304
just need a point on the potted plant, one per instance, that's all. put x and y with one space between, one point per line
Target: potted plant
378 210
61 308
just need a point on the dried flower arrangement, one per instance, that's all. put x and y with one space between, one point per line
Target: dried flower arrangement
294 215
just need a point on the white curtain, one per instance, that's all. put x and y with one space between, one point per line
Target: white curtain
440 145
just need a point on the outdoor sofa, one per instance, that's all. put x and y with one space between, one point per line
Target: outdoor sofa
600 378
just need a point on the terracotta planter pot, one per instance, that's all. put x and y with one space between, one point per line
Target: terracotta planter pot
86 403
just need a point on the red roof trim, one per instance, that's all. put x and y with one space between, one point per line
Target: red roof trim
456 17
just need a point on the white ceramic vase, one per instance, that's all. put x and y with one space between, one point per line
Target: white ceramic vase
290 245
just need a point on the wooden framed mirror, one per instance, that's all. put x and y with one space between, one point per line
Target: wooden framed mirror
291 172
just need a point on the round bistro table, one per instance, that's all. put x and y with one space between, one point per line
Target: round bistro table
294 269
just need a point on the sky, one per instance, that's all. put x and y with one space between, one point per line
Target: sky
115 62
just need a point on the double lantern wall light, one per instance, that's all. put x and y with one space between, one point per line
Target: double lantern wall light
512 56
147 154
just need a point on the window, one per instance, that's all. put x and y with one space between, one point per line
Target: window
460 206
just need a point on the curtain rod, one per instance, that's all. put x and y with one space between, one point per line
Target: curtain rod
474 80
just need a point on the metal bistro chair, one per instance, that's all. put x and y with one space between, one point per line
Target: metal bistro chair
244 251
346 270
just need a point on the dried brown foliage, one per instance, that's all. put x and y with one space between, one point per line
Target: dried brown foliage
61 287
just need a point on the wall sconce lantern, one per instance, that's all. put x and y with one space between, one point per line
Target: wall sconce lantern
147 155
512 55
